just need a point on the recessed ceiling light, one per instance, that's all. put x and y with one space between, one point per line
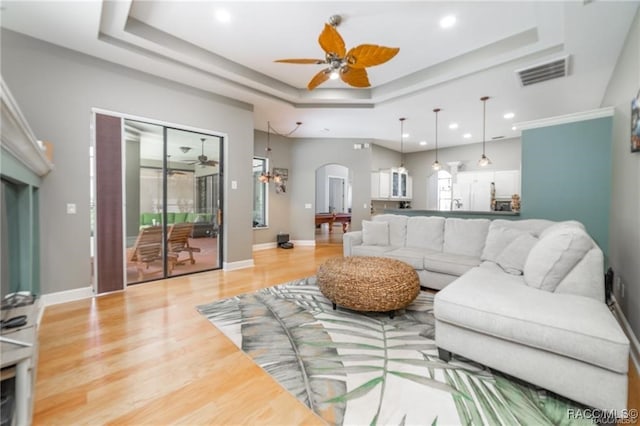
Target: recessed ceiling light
448 21
453 126
405 135
423 143
513 127
466 135
509 115
223 16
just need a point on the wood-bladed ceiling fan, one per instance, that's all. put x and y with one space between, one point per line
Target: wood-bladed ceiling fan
348 65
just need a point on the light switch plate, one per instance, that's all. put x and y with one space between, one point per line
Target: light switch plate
234 184
71 208
307 205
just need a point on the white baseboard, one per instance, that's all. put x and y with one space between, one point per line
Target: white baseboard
264 246
66 296
241 264
634 343
304 243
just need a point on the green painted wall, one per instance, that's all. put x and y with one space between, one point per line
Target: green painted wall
566 174
23 223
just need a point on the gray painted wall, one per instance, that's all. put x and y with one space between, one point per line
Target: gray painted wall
56 89
384 158
504 154
624 225
307 156
279 211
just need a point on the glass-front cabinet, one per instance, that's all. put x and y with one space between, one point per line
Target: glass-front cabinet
391 184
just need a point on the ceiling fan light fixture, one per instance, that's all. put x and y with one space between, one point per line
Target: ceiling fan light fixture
348 65
484 160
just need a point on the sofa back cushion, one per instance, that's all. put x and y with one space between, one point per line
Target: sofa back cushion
534 227
465 236
499 237
514 256
425 232
555 255
397 227
375 233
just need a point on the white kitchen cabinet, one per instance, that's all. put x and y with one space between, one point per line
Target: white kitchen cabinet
391 184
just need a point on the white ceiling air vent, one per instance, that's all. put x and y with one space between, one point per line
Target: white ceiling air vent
545 71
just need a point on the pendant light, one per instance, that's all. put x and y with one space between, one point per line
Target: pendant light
484 160
265 177
436 165
402 169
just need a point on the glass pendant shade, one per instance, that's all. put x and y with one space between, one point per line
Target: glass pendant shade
436 164
484 160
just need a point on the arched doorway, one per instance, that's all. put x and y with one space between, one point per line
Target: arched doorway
334 183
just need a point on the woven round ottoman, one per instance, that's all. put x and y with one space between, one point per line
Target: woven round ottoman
368 284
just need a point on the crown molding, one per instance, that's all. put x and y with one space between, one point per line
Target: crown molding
568 118
17 137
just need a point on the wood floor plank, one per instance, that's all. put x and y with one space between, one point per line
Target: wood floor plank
147 356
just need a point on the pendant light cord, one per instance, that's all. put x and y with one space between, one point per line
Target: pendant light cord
484 122
402 142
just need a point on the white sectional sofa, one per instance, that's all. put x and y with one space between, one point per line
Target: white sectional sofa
525 297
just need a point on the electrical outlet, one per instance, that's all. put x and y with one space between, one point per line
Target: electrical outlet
622 289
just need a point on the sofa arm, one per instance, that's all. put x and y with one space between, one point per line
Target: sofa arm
350 239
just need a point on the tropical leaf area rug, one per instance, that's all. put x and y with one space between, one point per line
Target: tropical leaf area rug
354 368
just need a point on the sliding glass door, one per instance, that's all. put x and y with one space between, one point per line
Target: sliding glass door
172 198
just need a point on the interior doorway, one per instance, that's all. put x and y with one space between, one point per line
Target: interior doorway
333 203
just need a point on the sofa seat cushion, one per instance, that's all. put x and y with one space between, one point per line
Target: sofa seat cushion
370 250
447 263
412 256
501 305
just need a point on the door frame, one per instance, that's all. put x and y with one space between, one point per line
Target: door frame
344 190
167 124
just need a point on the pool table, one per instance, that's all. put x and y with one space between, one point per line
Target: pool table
331 218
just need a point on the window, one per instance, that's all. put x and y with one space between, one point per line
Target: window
259 193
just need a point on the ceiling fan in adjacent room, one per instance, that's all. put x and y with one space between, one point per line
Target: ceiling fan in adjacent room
350 66
203 160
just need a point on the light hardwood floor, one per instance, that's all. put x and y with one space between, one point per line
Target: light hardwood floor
146 356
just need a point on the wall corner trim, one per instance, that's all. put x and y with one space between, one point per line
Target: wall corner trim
66 296
626 327
568 118
241 264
